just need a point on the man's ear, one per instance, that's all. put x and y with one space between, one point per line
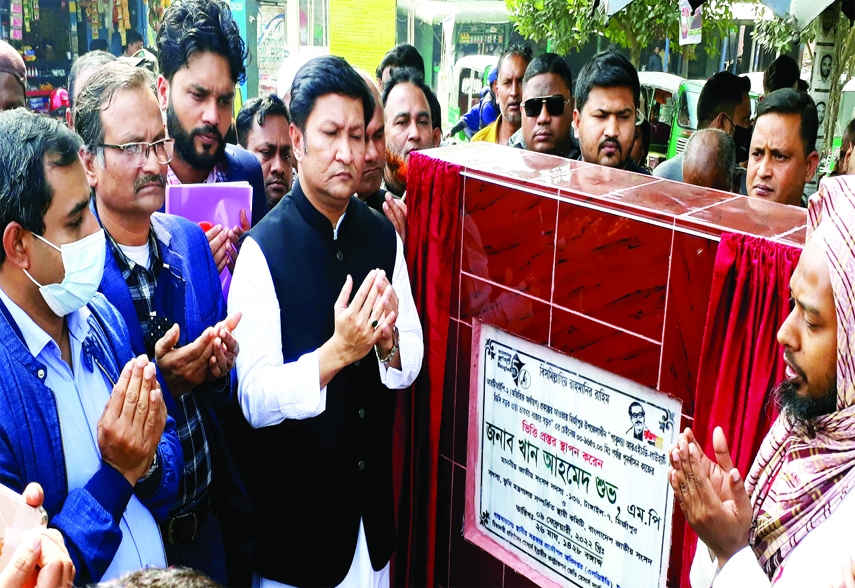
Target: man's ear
812 164
437 137
717 122
162 92
298 142
69 118
89 163
17 251
576 118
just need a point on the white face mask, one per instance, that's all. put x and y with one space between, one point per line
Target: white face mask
83 261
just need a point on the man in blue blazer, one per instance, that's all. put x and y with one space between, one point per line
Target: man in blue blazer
159 273
78 414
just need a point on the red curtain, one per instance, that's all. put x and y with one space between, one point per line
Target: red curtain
433 201
741 360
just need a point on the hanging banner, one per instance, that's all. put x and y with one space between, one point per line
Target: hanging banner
568 476
691 22
362 32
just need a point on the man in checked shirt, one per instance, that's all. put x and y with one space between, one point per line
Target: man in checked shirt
160 274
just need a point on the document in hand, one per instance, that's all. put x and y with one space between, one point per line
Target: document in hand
211 205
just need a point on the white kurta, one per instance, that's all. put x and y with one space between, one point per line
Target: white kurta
815 561
270 391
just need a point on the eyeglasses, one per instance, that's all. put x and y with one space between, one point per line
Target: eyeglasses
554 105
138 152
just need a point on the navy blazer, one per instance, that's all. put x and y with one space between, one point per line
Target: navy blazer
243 166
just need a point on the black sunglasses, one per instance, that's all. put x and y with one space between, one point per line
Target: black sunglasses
554 105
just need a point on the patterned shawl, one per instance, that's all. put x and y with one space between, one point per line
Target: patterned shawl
796 482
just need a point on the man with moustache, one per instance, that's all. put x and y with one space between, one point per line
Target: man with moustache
160 275
782 157
201 58
790 524
547 108
318 368
511 70
370 188
409 124
262 129
607 95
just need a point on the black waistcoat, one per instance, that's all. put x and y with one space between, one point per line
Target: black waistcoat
313 479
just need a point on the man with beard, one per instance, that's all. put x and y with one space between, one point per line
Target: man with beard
201 58
825 67
318 369
262 129
160 275
547 108
790 524
511 69
370 188
607 95
409 125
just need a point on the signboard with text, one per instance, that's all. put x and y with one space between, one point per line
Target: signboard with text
362 32
568 478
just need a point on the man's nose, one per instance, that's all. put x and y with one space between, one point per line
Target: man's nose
543 118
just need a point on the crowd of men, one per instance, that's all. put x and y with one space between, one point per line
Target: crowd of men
148 407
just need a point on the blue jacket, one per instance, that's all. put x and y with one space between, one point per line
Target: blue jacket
31 446
196 304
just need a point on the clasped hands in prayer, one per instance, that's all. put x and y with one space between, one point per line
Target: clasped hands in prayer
367 320
711 494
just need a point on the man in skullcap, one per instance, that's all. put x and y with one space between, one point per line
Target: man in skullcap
789 523
13 78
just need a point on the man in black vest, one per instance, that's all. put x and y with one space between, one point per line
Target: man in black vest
317 367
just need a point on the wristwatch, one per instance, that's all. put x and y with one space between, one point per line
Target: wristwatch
388 359
150 471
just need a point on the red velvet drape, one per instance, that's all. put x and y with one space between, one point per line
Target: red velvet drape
741 361
433 201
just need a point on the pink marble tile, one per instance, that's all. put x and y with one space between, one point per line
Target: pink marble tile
504 308
796 237
509 237
612 268
689 284
753 216
667 199
605 347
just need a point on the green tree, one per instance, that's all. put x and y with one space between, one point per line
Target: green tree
569 24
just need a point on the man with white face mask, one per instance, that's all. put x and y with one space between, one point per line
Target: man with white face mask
78 413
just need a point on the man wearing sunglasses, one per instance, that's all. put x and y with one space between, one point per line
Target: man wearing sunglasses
547 108
160 275
607 96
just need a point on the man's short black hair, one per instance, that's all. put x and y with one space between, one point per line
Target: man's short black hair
403 55
199 26
781 73
29 143
91 60
549 63
98 45
257 109
607 69
803 86
435 108
324 75
523 51
789 101
412 76
722 93
131 37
